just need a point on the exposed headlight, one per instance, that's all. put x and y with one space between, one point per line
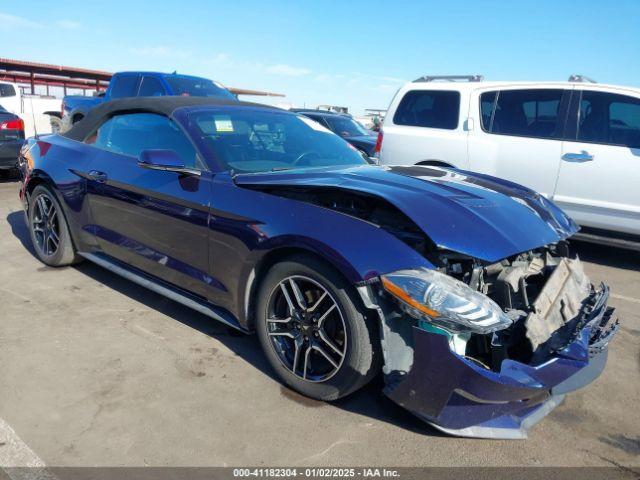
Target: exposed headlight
445 301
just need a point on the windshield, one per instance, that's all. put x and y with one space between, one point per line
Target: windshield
346 127
197 87
249 140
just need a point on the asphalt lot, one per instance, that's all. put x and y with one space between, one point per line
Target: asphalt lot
95 370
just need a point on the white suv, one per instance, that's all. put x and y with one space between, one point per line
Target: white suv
576 142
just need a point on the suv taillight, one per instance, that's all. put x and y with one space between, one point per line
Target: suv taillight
378 142
17 124
62 110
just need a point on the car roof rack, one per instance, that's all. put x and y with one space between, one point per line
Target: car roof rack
581 79
450 78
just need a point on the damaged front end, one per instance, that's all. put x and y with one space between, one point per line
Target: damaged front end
487 350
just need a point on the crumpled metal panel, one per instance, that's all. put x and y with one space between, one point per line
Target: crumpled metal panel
483 217
519 270
560 301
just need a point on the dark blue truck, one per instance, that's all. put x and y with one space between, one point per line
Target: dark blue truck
141 84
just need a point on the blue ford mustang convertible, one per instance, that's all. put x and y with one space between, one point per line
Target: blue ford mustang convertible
458 288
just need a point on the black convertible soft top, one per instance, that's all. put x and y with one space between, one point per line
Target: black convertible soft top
161 105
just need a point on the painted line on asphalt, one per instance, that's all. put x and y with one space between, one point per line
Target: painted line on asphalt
15 455
622 297
19 295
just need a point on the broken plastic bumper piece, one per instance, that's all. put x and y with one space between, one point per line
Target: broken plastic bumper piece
458 395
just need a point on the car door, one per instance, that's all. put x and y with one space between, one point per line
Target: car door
599 178
519 134
156 221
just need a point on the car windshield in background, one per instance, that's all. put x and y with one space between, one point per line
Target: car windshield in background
346 127
197 87
249 140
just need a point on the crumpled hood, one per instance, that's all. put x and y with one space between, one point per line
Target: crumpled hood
474 214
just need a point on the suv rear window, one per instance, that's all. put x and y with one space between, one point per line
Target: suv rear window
527 113
7 90
429 108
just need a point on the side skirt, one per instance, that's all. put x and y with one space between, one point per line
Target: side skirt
164 289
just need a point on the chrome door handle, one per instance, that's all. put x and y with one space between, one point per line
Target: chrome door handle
98 176
583 156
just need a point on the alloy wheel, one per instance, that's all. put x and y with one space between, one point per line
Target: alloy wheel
306 328
45 225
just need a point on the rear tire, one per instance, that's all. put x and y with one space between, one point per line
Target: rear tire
337 347
49 230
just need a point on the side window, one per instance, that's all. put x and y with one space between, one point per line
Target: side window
609 118
315 118
151 87
130 134
124 86
7 90
527 113
321 121
429 108
487 103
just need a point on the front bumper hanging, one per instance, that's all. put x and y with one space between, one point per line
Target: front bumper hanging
459 396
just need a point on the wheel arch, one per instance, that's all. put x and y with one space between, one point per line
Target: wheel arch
257 274
39 177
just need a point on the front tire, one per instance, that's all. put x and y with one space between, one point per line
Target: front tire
313 329
49 230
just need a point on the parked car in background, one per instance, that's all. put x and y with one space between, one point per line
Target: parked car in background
459 287
345 126
11 140
39 113
576 142
141 84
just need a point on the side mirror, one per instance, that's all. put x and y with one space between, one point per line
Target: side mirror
166 160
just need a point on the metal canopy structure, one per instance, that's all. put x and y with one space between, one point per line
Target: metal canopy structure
32 74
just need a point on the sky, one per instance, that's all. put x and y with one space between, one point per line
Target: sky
350 53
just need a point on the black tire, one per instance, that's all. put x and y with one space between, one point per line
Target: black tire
361 355
41 230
